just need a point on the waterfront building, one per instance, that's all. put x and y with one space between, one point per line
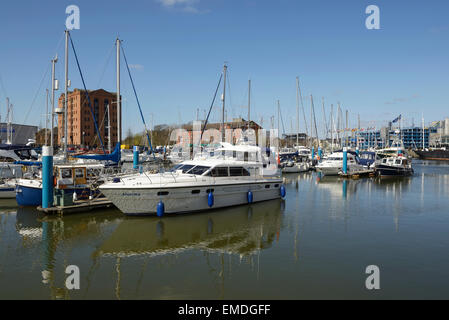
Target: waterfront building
412 137
81 125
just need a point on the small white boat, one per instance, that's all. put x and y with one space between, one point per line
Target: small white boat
295 167
333 164
7 190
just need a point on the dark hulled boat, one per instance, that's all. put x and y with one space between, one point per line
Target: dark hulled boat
435 154
394 166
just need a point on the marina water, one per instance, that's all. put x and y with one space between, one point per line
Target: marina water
316 243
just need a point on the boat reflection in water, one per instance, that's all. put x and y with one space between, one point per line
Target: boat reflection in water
240 230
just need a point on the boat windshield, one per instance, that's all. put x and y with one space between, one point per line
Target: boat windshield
335 159
183 167
198 170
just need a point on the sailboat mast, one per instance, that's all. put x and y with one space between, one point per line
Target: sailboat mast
109 130
314 121
46 117
325 120
53 62
249 103
223 98
297 111
302 106
423 129
119 103
7 119
66 93
311 122
346 130
279 118
332 128
339 125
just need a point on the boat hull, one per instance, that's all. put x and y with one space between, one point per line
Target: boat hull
390 171
190 199
441 155
31 196
329 171
296 168
27 196
7 192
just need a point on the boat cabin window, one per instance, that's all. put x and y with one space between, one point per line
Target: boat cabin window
219 172
398 161
384 160
66 173
93 172
79 173
198 170
238 172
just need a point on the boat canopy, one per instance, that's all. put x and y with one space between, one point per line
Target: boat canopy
114 156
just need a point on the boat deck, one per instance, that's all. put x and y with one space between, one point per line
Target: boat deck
358 174
78 206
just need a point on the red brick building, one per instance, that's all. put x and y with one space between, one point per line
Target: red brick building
81 126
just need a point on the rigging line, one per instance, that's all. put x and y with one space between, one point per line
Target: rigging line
138 103
101 125
210 109
35 96
87 95
106 65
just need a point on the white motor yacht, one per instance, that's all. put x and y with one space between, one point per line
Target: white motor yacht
230 176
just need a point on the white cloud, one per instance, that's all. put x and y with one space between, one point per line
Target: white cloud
183 5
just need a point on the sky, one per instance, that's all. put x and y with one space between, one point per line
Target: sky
176 50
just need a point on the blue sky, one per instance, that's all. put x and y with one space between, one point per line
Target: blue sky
178 47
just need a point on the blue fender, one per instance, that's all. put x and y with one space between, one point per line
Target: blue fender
160 209
250 197
210 200
283 192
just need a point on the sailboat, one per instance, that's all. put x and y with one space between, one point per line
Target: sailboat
72 178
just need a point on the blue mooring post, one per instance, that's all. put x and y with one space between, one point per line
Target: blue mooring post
136 157
313 153
320 153
345 160
357 151
47 177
